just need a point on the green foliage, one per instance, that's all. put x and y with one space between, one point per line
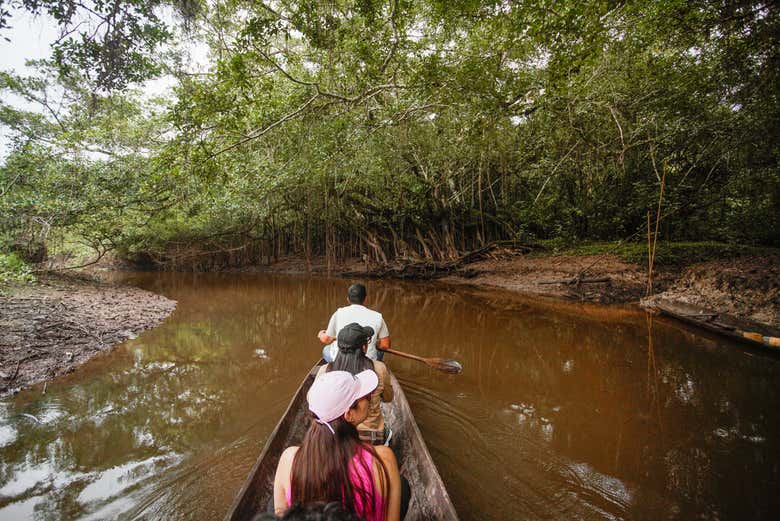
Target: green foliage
84 171
14 270
420 129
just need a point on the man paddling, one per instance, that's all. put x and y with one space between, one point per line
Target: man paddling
356 311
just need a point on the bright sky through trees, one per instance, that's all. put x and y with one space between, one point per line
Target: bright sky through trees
29 37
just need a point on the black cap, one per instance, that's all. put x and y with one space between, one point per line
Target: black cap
354 336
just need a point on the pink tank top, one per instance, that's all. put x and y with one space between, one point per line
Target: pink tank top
361 475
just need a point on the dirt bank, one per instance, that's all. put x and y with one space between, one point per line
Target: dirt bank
747 287
49 328
605 278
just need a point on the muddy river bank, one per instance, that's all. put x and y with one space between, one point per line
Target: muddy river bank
564 410
49 328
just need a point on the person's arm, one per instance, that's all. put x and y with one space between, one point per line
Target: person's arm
328 335
383 336
394 497
282 480
324 338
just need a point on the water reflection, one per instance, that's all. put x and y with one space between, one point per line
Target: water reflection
563 410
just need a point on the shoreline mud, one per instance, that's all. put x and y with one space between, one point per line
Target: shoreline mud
747 288
49 328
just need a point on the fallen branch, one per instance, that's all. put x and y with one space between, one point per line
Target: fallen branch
577 281
65 268
16 371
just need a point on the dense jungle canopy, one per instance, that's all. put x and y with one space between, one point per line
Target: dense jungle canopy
391 128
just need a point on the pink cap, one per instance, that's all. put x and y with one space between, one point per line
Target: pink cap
334 392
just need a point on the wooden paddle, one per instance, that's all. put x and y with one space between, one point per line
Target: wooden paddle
445 365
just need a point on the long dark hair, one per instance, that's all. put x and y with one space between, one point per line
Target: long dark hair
352 360
321 469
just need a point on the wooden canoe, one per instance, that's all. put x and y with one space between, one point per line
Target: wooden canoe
430 500
721 323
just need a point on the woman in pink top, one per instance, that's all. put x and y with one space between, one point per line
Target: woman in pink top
332 464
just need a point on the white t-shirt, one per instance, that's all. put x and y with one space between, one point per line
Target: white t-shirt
363 316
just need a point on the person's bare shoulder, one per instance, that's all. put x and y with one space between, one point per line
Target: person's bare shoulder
284 467
386 454
288 454
383 449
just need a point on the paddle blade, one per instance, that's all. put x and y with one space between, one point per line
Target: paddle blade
445 365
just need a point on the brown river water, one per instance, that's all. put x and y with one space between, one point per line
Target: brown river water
563 411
